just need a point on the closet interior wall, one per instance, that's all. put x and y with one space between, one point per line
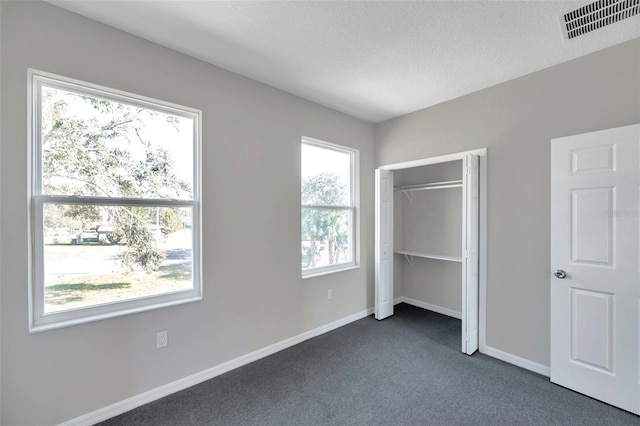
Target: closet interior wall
429 221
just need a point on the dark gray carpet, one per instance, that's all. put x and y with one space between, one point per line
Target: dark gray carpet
405 370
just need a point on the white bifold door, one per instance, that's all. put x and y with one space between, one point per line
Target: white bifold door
384 244
595 261
470 252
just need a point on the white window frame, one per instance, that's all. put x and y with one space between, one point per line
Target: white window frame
39 321
354 230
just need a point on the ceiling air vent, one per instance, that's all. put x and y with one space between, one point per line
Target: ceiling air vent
597 15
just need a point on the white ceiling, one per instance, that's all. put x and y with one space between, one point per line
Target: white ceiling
374 60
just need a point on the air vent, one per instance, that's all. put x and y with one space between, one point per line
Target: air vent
597 15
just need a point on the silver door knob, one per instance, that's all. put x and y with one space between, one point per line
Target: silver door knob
560 274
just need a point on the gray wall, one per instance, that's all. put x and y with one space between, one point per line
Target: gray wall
435 282
516 121
253 292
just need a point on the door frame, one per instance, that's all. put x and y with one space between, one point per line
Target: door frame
482 223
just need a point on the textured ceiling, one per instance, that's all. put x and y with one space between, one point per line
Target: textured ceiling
374 60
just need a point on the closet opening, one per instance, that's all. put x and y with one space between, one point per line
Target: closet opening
428 239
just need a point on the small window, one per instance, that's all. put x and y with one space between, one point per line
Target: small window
115 203
328 207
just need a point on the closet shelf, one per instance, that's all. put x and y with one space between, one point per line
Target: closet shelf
409 189
410 254
433 185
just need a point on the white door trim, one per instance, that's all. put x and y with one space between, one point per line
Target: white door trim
481 152
482 246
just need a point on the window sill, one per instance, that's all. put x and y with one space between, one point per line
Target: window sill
313 274
89 314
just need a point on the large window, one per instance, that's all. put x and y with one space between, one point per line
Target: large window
115 202
328 207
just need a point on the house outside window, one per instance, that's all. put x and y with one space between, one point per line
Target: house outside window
115 202
328 199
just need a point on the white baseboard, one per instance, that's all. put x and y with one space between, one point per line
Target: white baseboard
487 350
430 307
186 382
516 360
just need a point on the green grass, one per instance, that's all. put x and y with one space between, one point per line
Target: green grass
88 275
85 287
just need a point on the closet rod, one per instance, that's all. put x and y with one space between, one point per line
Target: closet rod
434 185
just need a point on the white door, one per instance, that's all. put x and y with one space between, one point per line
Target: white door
595 264
384 244
470 257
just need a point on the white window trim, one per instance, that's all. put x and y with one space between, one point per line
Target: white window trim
355 210
38 320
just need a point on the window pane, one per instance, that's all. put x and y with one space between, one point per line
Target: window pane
98 147
102 254
326 237
326 177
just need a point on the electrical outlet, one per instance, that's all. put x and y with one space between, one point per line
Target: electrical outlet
162 339
330 294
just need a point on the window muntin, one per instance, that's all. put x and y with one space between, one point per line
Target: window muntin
328 207
115 202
